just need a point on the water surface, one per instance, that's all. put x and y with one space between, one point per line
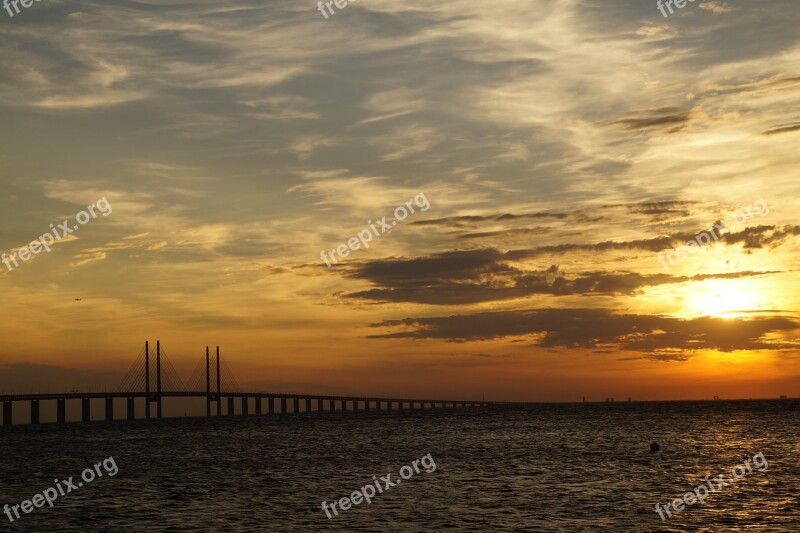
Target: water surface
538 468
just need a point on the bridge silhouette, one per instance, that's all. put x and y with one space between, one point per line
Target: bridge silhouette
140 382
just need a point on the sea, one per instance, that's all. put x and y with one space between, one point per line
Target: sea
548 467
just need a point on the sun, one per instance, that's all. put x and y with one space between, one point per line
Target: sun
724 298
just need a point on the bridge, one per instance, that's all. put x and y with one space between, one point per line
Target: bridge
139 382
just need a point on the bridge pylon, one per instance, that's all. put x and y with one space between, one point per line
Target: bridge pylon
152 397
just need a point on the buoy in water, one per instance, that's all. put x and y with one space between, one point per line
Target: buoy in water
654 447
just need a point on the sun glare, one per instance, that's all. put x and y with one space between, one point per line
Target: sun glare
724 298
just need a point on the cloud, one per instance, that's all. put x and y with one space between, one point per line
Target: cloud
663 209
672 118
758 237
782 128
601 329
716 7
506 233
477 276
657 31
462 220
751 238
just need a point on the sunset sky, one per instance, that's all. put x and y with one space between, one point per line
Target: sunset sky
561 145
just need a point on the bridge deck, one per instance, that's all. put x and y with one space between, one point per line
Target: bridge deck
214 394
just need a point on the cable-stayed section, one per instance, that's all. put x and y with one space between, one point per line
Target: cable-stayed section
197 381
156 360
170 380
152 378
134 378
229 383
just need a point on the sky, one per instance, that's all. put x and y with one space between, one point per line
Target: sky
554 152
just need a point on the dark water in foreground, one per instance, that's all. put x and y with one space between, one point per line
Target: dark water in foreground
544 468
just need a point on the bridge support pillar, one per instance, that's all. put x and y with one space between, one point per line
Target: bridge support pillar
366 405
296 406
389 405
231 408
109 408
331 406
308 405
131 409
61 410
7 413
344 405
283 406
245 406
34 411
86 414
258 405
320 406
271 405
355 406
